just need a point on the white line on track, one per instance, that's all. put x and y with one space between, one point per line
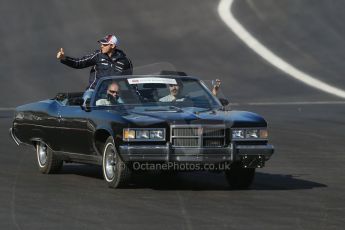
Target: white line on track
224 11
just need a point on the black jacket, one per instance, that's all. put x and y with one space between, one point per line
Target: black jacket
103 65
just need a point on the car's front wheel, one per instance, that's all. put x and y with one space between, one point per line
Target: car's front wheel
239 177
47 161
115 171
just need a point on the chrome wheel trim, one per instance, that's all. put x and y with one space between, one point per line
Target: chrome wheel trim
109 162
42 154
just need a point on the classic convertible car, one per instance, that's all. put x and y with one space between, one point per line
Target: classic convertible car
171 120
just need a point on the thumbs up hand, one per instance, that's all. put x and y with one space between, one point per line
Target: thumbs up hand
60 54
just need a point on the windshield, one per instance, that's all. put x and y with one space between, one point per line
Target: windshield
157 91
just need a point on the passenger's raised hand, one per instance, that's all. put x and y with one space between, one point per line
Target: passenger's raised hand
60 54
216 86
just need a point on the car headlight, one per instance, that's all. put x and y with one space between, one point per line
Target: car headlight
237 133
248 133
252 133
157 134
143 134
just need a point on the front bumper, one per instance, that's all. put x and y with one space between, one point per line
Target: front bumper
166 153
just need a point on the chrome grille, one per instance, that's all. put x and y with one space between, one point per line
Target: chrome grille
185 132
213 142
186 142
197 136
213 132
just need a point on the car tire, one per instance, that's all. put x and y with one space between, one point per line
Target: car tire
115 172
239 177
47 161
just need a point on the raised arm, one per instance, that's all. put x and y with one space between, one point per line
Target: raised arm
78 63
216 87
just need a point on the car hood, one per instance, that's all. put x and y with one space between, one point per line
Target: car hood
141 117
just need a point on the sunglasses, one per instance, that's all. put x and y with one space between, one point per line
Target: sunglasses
102 44
113 92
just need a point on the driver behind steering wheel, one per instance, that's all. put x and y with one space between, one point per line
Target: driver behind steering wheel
113 97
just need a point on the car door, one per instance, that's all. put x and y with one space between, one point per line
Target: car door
45 120
76 130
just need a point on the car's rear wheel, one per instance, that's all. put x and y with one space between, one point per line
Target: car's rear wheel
47 161
239 177
115 171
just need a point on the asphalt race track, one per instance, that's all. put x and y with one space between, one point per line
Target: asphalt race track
301 187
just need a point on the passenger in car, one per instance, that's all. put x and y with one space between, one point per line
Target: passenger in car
113 96
176 92
109 60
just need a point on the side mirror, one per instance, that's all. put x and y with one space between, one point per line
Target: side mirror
86 106
224 101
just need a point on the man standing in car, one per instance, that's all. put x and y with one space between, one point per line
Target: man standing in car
108 61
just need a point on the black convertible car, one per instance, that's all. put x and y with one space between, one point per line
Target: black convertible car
131 121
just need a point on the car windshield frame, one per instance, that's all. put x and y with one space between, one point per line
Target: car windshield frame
212 101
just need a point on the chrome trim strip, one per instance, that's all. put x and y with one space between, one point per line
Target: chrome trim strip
14 137
52 127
